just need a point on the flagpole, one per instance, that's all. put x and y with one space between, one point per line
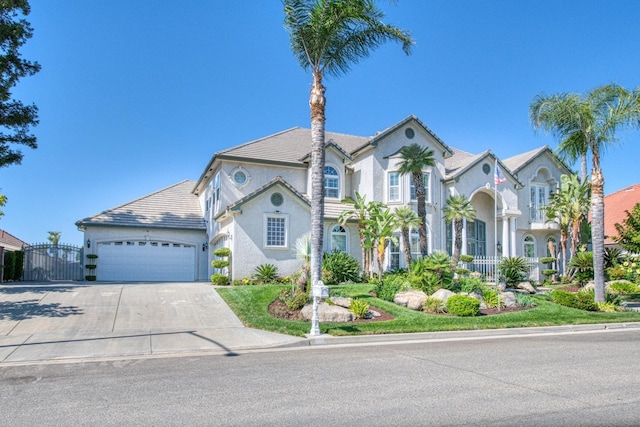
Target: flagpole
495 225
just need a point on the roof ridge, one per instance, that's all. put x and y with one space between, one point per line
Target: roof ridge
254 141
623 189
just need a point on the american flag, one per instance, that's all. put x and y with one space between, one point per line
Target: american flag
498 177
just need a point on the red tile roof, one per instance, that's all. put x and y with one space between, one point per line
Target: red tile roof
615 207
10 242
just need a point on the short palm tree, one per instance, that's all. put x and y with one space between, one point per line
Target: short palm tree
588 123
458 210
406 219
383 223
327 37
414 159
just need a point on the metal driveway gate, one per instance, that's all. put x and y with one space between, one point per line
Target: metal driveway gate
45 261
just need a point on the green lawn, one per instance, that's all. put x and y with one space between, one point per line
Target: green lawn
250 303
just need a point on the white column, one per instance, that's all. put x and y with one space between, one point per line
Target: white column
505 236
514 244
463 250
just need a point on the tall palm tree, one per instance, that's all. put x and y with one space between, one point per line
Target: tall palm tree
590 122
406 219
327 37
414 159
361 212
458 209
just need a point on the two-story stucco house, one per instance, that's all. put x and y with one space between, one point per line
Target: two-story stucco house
254 199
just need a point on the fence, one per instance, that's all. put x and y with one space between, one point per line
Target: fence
487 266
45 261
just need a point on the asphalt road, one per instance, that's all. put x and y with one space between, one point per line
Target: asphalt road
578 379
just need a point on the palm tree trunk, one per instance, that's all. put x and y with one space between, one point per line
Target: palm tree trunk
406 246
583 167
597 227
457 246
317 106
418 182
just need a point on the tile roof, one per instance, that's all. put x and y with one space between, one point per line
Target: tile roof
173 207
278 180
615 207
289 146
11 242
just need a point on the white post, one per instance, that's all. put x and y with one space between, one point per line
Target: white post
318 291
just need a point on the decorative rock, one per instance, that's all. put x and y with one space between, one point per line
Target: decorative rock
442 294
328 313
508 299
373 313
341 302
526 286
476 294
411 299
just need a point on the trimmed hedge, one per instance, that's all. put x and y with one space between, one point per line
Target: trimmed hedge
462 305
579 300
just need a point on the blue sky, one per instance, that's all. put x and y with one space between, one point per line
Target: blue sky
135 96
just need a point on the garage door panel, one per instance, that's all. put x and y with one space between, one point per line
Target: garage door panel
146 261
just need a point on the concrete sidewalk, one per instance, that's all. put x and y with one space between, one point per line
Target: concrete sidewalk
77 320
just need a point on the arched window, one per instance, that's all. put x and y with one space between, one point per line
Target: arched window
339 238
529 247
331 182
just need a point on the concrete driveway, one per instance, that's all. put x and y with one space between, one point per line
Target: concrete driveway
76 320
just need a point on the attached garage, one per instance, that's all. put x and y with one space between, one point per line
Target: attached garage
158 237
147 261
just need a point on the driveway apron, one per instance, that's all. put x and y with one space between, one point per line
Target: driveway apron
79 320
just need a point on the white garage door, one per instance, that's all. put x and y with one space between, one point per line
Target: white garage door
146 261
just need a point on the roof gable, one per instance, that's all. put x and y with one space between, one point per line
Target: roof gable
11 242
615 207
520 161
462 162
173 207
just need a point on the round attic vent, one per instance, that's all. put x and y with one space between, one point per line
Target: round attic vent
277 199
486 168
409 133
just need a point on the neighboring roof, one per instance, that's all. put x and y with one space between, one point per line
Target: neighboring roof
615 207
519 161
173 207
278 180
11 242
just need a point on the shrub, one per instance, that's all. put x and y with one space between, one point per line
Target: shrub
582 263
525 300
434 305
579 300
92 256
616 272
462 305
390 285
9 265
470 284
219 263
466 258
359 308
432 272
607 307
547 260
491 298
266 273
339 267
513 269
294 300
90 278
219 279
222 252
90 266
624 288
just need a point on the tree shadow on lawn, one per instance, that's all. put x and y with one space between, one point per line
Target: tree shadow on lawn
29 309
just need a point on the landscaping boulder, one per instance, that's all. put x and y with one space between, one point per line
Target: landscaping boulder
341 301
526 286
442 294
411 299
328 313
508 299
476 294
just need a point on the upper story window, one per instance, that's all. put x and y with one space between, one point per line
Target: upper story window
393 187
412 188
539 194
339 238
275 231
215 192
331 182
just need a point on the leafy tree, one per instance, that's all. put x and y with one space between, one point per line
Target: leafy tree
15 117
414 159
458 209
3 201
406 219
629 231
588 123
327 37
